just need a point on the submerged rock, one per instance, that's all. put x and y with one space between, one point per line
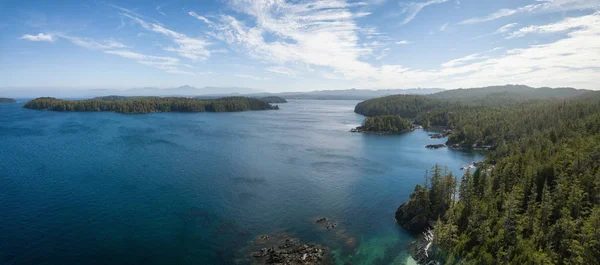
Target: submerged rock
288 250
325 223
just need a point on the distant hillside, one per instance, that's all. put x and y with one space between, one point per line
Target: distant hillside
273 99
513 91
350 94
410 106
7 100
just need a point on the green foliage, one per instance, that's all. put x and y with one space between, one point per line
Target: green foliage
386 124
404 105
150 104
536 199
274 99
7 100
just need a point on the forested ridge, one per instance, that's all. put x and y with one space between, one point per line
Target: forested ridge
387 124
536 198
273 99
150 104
409 106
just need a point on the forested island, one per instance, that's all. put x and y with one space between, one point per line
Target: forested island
7 100
536 197
151 104
387 124
273 99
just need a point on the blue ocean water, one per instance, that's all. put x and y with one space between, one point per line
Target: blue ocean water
195 188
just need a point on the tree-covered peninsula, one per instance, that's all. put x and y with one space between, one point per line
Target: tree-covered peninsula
534 200
7 100
274 99
151 104
387 124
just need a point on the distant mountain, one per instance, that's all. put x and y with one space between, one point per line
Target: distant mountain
411 105
185 91
511 91
349 94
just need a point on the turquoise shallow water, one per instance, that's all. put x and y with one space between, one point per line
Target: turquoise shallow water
180 188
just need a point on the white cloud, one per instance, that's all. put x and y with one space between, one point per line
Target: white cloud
403 42
506 28
38 37
188 47
412 9
464 60
319 34
169 64
565 25
570 61
283 71
250 77
544 6
91 44
302 35
443 27
201 18
160 12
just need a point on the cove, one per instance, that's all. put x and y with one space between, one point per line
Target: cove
195 188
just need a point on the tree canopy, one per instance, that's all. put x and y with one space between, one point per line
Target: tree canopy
535 200
151 104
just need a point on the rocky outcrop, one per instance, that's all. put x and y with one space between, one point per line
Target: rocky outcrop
412 218
325 223
289 251
435 146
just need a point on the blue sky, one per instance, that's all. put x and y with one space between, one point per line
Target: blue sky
278 45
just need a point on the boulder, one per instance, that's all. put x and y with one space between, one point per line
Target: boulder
412 219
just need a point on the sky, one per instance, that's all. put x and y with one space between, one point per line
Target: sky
284 45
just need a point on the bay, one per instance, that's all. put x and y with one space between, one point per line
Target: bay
195 188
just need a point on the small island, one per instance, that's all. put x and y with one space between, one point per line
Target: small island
7 100
387 124
151 104
274 99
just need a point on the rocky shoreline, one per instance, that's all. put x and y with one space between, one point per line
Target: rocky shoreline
361 129
290 251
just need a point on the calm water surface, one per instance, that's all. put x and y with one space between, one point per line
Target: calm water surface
178 188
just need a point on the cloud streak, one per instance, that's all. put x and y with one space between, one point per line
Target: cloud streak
413 9
38 37
191 48
545 6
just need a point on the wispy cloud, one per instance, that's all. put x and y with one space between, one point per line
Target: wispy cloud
506 28
565 25
169 64
38 37
283 71
188 47
403 42
91 44
320 34
413 9
199 17
251 77
160 12
443 27
544 6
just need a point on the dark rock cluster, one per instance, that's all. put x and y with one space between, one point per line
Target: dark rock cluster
435 146
413 219
326 223
290 251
